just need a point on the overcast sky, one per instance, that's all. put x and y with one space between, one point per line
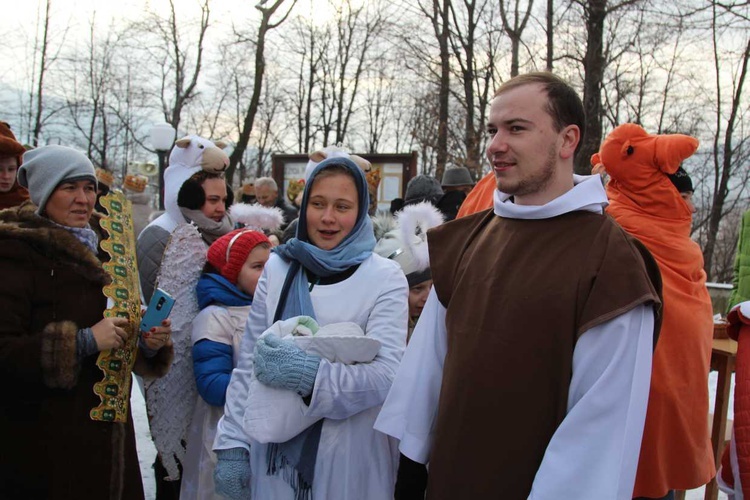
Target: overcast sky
19 23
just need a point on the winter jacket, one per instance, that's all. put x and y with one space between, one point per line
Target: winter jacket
212 365
216 334
149 251
14 197
290 213
51 287
741 282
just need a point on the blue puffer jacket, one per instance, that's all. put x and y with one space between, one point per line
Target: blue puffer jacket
212 360
212 366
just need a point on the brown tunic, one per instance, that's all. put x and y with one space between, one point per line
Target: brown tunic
518 294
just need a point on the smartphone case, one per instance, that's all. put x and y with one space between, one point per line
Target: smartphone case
158 310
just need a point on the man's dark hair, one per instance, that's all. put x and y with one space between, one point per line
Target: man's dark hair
563 103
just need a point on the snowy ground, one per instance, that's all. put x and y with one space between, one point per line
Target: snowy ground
146 451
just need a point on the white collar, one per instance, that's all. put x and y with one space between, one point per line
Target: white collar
587 195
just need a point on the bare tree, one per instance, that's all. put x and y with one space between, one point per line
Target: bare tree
91 77
725 152
514 28
45 52
474 44
438 13
310 44
379 99
550 34
177 52
354 42
594 63
260 66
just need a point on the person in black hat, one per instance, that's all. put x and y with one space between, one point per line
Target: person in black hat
422 188
684 185
457 183
457 179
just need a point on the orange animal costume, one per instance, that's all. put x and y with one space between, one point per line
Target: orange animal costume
676 448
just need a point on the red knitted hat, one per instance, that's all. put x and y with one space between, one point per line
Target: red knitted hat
229 253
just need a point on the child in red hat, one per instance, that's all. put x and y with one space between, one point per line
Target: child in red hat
225 295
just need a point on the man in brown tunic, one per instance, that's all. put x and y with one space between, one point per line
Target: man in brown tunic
527 375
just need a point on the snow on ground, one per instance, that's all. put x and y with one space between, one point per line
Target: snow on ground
147 452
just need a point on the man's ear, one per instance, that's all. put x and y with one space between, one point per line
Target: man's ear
571 136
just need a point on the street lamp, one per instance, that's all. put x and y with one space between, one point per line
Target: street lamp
162 137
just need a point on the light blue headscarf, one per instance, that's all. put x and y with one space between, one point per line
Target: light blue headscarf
353 249
295 459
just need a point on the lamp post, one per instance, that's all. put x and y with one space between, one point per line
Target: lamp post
162 137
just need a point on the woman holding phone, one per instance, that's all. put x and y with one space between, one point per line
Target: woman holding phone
328 272
51 335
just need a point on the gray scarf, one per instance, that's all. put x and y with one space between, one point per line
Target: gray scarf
209 228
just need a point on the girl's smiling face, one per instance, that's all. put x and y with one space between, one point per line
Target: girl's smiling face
332 209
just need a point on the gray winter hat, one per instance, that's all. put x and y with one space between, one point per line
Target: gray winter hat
457 176
422 188
46 167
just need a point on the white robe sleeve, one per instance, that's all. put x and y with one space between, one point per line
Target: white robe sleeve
341 390
410 410
594 452
230 433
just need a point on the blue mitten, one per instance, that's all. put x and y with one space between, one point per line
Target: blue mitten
232 473
283 365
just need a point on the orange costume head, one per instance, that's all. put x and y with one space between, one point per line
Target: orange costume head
639 163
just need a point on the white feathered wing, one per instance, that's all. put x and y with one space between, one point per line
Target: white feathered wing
170 400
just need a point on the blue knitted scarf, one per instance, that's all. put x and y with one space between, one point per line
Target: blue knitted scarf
296 457
214 288
85 235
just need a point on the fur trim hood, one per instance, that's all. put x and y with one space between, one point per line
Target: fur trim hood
23 224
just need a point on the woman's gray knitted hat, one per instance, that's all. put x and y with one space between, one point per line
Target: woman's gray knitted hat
46 167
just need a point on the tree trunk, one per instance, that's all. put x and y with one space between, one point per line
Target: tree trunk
260 66
550 34
593 67
40 84
723 169
442 31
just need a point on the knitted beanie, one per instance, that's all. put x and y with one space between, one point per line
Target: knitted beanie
46 167
9 146
228 254
681 181
422 188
